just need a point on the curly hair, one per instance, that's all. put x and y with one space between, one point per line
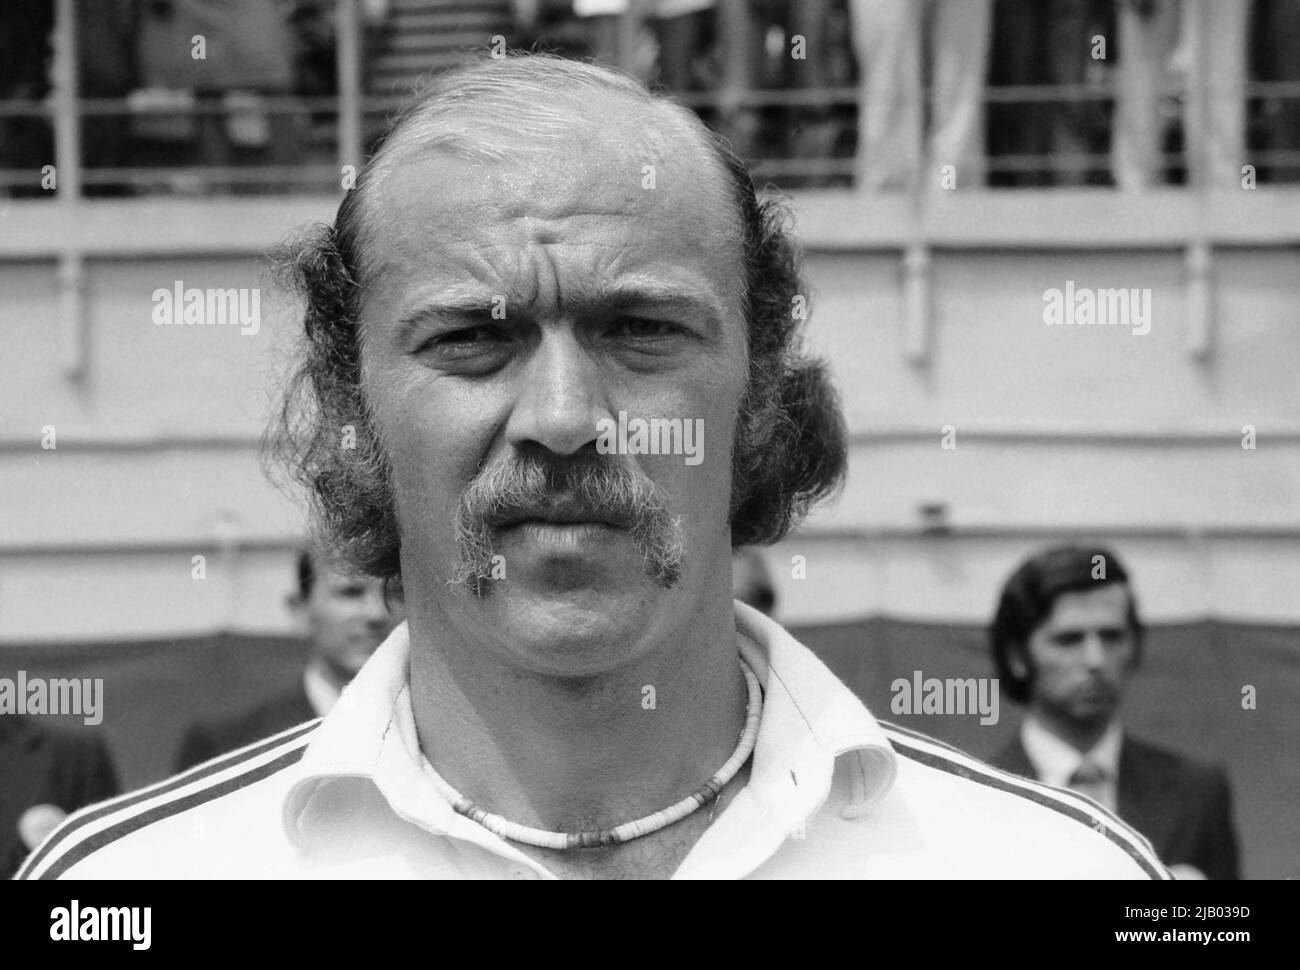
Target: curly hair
789 448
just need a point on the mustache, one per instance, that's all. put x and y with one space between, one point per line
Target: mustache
580 488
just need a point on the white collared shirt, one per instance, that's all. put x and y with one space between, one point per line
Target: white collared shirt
1055 761
832 793
322 693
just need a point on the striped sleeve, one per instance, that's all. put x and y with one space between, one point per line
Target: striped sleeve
80 835
942 757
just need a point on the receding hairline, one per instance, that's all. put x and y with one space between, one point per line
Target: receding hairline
479 112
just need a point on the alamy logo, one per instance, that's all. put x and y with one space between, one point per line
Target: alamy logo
1084 306
930 695
656 436
38 695
77 923
212 307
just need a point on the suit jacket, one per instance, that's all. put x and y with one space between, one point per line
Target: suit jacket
45 766
205 741
1183 806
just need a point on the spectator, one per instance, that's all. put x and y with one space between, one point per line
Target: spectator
214 64
46 774
1065 638
894 149
407 41
1164 44
1050 43
106 65
26 142
1276 34
346 618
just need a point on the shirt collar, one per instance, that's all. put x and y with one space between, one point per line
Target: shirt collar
1055 760
810 720
808 710
322 693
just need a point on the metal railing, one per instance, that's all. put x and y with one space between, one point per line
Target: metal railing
336 131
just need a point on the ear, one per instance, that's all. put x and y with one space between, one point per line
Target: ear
296 606
1016 663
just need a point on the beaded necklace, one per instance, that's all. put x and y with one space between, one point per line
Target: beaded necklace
706 793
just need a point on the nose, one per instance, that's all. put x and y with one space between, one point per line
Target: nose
374 607
561 399
1094 652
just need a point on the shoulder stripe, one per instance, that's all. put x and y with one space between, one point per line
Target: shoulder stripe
935 754
292 743
165 810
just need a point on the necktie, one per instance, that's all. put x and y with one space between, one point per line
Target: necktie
1089 779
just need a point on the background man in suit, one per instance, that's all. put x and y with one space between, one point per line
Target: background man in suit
47 775
346 618
1065 639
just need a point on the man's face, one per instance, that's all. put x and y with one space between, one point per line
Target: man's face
1081 655
346 619
512 307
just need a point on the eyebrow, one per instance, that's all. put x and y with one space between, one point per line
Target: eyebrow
475 301
454 301
641 291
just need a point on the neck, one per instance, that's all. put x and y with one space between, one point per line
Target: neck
1080 735
580 753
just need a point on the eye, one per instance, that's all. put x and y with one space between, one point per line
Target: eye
641 328
467 351
467 337
1070 639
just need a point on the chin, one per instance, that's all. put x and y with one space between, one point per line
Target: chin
1093 714
578 633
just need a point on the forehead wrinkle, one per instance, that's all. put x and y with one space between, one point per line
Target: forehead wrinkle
510 179
466 126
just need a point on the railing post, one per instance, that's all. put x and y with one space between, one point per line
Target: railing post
916 303
67 126
349 72
73 335
1198 264
1196 127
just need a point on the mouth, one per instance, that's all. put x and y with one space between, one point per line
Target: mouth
1096 695
560 516
561 537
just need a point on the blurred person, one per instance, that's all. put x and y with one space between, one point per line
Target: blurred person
751 581
45 774
1166 44
1275 37
1066 638
207 69
26 141
895 40
346 618
408 41
107 69
575 693
1049 43
767 45
659 40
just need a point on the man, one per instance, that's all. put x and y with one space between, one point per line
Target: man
541 259
44 775
1066 638
345 617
